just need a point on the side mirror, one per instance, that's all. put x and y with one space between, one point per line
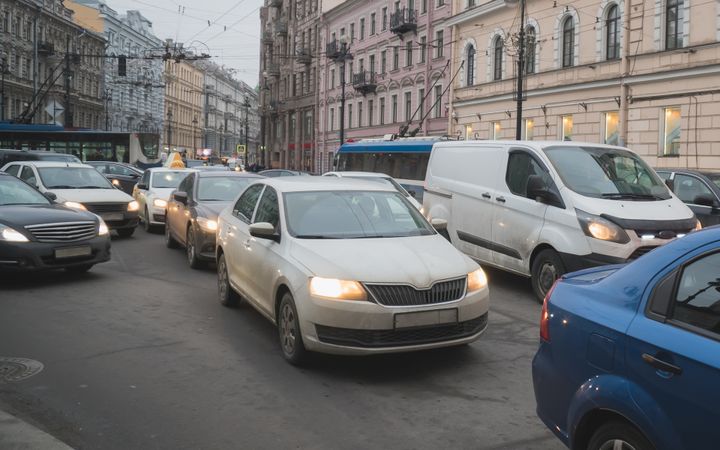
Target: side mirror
412 193
180 197
264 230
670 184
142 186
50 196
538 189
439 224
704 200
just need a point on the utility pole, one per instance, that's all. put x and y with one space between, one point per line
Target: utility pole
35 54
169 131
3 69
343 57
247 124
521 73
68 109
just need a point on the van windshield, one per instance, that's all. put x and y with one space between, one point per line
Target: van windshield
610 173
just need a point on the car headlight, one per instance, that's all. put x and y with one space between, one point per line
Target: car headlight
337 289
133 206
115 182
599 228
698 225
160 203
207 224
476 280
8 234
103 229
75 205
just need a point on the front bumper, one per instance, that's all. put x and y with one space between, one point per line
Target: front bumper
364 327
129 220
33 256
157 215
205 244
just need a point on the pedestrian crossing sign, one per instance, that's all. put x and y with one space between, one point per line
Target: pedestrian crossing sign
240 149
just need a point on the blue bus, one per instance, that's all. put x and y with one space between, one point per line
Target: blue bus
141 149
403 159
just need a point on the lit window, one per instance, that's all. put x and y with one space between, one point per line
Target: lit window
671 131
611 129
529 129
495 130
567 128
468 132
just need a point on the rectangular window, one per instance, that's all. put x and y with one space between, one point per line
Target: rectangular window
674 24
437 105
421 103
495 130
384 19
440 3
382 111
671 131
332 119
350 114
423 6
394 107
471 4
567 128
611 134
529 129
423 48
372 63
409 53
468 132
439 43
372 24
408 106
383 61
396 58
371 105
352 32
362 28
360 114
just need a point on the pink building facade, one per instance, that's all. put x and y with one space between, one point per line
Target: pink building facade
399 72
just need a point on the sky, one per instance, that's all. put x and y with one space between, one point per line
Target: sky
232 38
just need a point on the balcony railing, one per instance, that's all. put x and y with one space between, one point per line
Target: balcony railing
365 82
275 3
267 38
273 69
281 28
336 50
303 56
46 48
403 20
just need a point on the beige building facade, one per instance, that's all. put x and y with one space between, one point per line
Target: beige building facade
183 106
644 74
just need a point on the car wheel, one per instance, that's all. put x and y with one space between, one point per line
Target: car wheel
546 268
228 296
288 326
618 435
191 250
126 232
146 222
79 269
170 242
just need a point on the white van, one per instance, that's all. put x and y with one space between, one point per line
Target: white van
542 209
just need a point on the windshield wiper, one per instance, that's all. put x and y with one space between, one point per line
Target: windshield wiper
92 187
62 186
315 236
627 195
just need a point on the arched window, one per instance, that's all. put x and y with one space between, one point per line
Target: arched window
612 33
470 61
498 58
530 42
568 42
673 24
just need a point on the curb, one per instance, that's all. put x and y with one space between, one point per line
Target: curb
16 434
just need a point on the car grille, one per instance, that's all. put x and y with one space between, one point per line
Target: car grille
400 337
404 295
99 208
641 251
63 232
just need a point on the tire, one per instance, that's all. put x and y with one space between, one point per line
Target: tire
610 433
191 250
170 241
228 296
126 232
146 222
79 269
546 268
289 334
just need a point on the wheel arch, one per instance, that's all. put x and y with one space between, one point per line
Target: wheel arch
536 251
282 289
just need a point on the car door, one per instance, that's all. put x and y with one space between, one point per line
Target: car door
673 351
239 235
28 175
175 218
262 257
687 188
518 219
124 176
140 194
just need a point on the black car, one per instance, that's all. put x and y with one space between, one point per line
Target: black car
8 156
193 209
122 175
37 234
700 190
272 173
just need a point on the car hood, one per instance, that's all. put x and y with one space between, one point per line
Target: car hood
91 195
671 209
162 193
417 260
211 210
22 215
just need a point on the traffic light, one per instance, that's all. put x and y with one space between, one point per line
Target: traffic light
122 66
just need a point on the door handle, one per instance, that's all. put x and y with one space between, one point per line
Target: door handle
661 365
500 199
486 195
247 243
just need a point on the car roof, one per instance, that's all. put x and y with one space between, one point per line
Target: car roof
539 145
53 164
225 174
168 169
303 184
360 174
692 171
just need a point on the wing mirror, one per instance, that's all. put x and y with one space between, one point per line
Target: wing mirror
50 196
538 189
704 200
142 186
264 230
670 184
180 197
439 224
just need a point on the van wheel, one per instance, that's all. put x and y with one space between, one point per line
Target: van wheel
618 434
546 268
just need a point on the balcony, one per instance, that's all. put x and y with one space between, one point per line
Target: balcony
403 20
275 3
209 88
303 56
273 70
365 82
274 108
336 51
281 28
267 38
45 48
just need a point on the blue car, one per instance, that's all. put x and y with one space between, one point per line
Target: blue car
629 356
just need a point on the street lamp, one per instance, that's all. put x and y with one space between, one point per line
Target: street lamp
521 66
3 69
343 56
169 130
246 104
194 124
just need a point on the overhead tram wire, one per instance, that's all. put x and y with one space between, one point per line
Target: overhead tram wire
229 27
215 22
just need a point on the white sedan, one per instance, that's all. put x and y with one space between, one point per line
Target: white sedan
152 193
378 177
347 267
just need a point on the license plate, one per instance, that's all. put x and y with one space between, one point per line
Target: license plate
420 319
72 252
110 217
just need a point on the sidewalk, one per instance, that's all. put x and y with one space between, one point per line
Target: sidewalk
16 434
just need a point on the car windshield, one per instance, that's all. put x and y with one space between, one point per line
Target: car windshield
606 173
61 158
352 215
73 178
221 189
167 179
15 192
385 181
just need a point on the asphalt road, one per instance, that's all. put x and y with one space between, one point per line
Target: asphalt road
139 354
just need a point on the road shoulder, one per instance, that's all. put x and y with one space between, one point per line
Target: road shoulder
16 434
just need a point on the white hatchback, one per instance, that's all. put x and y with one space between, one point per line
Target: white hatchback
377 177
347 267
152 193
